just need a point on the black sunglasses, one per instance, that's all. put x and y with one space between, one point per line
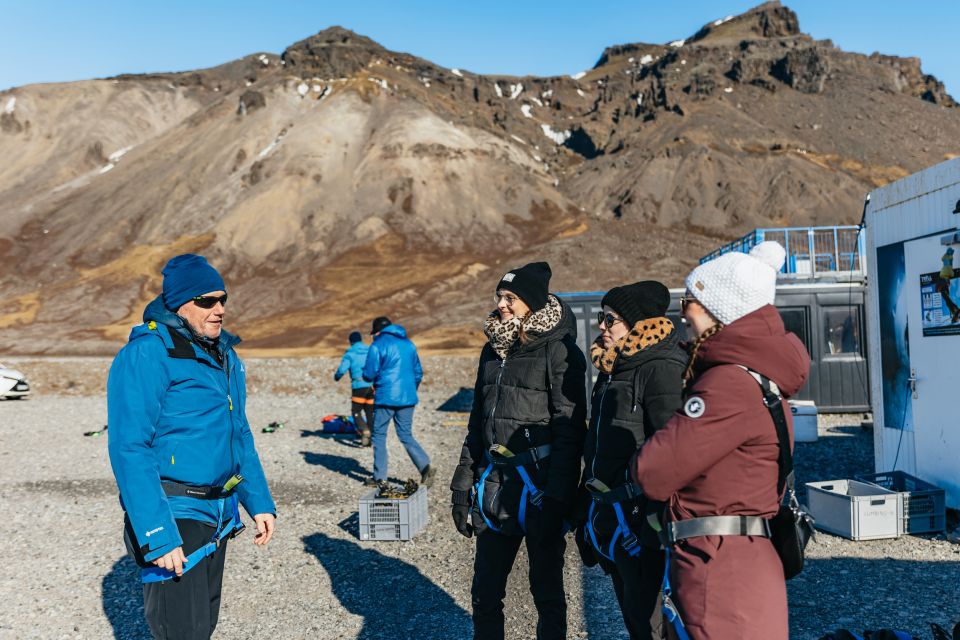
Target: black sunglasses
209 302
607 319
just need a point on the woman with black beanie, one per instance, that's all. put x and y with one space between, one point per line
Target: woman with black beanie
641 363
520 463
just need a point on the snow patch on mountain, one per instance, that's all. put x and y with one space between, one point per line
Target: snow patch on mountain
557 136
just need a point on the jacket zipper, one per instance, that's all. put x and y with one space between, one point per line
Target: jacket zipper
596 447
233 456
496 400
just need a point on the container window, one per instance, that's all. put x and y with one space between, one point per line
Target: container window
841 326
795 321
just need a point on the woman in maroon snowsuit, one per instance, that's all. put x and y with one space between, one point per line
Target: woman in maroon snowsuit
718 454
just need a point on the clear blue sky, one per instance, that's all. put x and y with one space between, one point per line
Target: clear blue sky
47 41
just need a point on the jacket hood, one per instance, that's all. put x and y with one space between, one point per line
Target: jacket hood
566 326
394 330
157 312
760 342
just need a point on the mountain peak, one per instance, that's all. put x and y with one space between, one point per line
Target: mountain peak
332 53
768 20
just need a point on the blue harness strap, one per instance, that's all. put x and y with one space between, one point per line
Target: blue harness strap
623 533
530 494
479 493
229 528
669 608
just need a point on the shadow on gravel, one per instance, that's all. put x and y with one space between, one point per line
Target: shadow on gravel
393 597
872 593
123 601
460 402
351 524
602 617
341 464
845 452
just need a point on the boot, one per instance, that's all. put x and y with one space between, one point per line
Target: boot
426 476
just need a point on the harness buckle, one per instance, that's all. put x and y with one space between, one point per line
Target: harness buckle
536 498
630 543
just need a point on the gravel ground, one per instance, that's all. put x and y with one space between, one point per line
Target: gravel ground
316 579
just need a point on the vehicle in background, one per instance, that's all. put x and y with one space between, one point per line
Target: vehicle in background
821 298
13 384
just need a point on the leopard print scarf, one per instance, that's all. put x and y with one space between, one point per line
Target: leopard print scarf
645 333
503 336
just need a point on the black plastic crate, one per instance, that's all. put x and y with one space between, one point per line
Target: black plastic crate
924 504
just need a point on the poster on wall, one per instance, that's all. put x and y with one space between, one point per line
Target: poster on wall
894 346
939 297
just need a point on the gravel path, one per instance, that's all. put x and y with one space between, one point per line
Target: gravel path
316 579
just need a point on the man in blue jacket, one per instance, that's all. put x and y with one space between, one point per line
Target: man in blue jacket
393 367
361 402
182 451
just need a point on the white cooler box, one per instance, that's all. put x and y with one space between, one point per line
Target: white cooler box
804 420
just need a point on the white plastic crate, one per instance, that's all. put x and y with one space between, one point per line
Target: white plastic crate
392 518
855 510
804 420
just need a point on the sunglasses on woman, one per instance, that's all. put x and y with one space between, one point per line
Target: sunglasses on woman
607 319
209 302
506 297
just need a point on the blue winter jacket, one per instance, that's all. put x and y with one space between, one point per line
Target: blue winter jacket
393 367
176 414
353 361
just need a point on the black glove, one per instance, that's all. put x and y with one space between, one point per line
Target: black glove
461 513
546 521
581 507
461 520
587 553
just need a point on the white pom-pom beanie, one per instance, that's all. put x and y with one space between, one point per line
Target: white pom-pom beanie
736 284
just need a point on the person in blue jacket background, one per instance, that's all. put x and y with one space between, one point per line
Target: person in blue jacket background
361 401
393 367
182 451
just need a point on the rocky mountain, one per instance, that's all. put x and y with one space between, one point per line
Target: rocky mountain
339 180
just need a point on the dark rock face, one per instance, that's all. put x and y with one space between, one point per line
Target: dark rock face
909 78
775 21
805 70
250 101
333 53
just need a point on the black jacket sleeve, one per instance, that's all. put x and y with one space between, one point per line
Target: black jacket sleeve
568 412
471 454
662 395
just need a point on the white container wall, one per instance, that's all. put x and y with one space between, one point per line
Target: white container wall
913 328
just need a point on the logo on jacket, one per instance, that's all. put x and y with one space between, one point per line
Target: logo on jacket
153 531
694 407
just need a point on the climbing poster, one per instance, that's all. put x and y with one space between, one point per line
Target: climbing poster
940 299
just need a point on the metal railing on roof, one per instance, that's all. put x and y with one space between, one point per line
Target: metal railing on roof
812 252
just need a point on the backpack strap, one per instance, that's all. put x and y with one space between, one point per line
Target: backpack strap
772 399
181 346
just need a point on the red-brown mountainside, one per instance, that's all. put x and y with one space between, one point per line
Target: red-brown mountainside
340 180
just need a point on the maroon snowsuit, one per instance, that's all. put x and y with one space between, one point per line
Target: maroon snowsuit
724 462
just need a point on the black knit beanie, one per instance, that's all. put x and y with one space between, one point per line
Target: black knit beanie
638 301
531 283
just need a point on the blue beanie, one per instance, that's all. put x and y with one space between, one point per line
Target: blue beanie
355 337
188 276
